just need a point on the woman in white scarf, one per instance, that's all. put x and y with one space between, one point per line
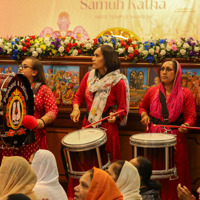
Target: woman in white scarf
45 167
127 179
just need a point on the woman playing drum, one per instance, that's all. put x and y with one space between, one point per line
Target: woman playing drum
45 109
169 103
102 89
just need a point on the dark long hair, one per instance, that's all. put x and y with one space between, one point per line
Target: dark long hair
37 65
145 171
111 58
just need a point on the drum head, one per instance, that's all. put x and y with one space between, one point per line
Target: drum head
17 102
153 139
84 139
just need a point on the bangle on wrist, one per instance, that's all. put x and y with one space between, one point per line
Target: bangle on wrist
43 122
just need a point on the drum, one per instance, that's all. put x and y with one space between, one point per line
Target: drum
16 101
159 149
84 149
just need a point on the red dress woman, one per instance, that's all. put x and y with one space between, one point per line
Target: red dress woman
45 110
104 90
181 111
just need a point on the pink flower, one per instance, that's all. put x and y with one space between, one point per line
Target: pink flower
174 48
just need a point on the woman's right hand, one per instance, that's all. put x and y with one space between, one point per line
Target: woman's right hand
75 114
145 119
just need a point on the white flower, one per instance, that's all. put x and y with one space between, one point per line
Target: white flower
9 51
179 44
168 48
37 44
32 49
196 49
88 46
5 47
48 44
39 50
104 38
110 44
9 44
145 52
118 44
183 52
120 50
151 51
66 41
186 45
109 38
130 49
74 52
162 46
162 52
61 49
134 42
46 40
19 47
35 53
62 43
141 49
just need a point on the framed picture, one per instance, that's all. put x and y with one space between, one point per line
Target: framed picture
8 69
138 82
191 80
64 82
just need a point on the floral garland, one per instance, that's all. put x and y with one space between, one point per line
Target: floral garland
152 50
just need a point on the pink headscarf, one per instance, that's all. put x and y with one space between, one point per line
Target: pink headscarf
174 102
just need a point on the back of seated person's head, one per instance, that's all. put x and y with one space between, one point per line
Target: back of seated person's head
18 197
144 167
115 169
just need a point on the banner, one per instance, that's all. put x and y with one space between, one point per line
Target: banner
84 19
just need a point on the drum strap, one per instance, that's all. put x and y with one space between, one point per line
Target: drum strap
36 88
165 113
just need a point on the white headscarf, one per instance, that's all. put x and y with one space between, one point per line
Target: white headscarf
47 186
128 182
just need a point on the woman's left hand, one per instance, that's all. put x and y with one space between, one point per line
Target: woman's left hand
112 118
40 124
182 129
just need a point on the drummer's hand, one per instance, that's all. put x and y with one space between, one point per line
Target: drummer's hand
40 124
182 129
145 119
112 118
184 193
75 115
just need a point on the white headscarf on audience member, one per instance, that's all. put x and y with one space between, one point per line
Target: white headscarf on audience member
128 182
45 167
16 176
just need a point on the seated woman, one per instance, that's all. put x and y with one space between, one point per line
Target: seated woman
149 189
47 187
96 184
127 179
16 176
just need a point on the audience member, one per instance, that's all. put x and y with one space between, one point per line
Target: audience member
149 189
16 176
97 184
45 167
18 196
127 179
185 194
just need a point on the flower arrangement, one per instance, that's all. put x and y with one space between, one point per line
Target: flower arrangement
152 50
